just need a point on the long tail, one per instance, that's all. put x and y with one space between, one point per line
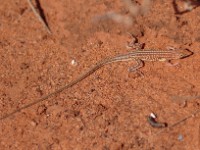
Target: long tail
86 74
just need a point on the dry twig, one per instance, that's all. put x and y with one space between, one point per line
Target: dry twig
38 16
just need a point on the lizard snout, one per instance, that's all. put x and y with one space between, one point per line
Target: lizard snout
185 53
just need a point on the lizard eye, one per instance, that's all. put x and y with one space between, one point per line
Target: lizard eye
182 55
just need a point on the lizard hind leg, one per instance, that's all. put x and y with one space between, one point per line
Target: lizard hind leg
139 64
134 44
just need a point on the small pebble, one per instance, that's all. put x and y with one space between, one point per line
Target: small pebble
153 115
33 123
180 137
73 62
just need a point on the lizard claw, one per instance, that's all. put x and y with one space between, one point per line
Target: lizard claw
140 73
134 44
169 63
136 70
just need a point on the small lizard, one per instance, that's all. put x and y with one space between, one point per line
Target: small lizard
139 56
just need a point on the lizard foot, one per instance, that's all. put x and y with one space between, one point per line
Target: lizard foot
134 44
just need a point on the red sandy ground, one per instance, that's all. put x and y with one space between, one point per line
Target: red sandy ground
109 109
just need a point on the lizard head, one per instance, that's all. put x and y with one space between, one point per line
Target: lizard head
180 54
176 54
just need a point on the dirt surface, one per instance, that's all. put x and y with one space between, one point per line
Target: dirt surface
109 109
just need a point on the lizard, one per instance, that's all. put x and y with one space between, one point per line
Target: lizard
139 55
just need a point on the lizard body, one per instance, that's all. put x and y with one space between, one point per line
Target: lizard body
139 56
